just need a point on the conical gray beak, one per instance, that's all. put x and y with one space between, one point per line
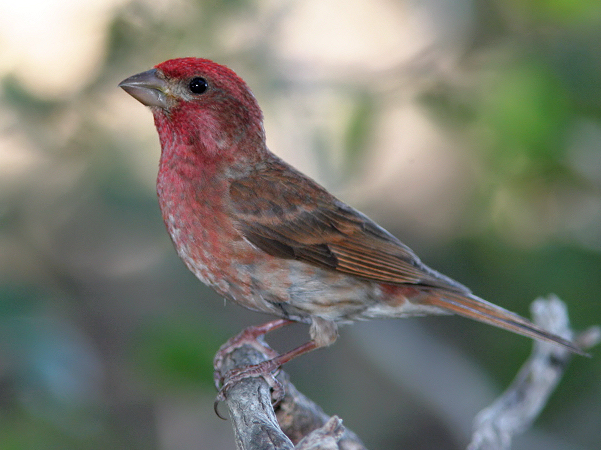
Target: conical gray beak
148 88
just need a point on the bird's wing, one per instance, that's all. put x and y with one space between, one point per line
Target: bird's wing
288 215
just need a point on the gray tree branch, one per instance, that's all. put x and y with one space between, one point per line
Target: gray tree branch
295 423
517 408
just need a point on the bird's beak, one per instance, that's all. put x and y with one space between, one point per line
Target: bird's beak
148 88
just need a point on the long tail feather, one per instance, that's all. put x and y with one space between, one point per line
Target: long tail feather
468 305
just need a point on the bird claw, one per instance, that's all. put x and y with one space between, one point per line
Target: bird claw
252 336
257 343
268 370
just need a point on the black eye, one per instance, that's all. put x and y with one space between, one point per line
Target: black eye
198 85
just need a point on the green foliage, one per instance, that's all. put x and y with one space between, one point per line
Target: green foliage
359 131
529 113
27 104
176 353
567 12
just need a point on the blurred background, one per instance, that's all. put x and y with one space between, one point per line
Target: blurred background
471 129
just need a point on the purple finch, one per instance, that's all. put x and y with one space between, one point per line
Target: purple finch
271 239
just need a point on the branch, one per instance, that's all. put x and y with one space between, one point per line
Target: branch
298 420
298 423
515 410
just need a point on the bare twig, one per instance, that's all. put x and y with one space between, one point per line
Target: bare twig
298 420
515 410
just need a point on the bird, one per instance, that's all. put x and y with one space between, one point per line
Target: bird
264 235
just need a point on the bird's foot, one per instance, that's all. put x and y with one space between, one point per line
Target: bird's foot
252 336
266 369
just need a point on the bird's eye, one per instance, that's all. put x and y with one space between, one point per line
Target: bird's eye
198 85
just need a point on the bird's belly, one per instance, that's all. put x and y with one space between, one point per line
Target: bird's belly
299 290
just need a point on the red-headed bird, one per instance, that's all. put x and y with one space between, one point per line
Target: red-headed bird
271 239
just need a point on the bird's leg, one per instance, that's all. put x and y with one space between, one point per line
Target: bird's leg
267 369
323 333
252 336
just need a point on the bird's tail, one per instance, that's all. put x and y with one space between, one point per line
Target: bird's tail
473 307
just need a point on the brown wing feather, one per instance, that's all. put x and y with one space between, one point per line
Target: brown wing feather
287 215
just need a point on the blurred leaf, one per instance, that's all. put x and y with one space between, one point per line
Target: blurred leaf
19 98
359 130
567 12
450 106
529 111
176 353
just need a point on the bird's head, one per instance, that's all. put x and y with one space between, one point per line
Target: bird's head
200 104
